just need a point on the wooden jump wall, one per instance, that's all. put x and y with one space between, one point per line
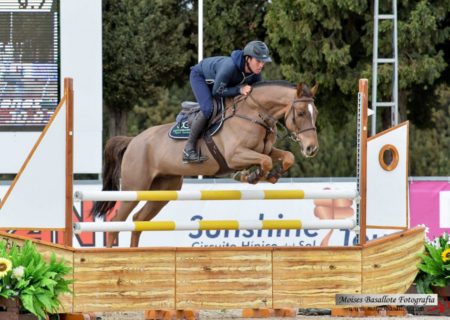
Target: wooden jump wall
122 279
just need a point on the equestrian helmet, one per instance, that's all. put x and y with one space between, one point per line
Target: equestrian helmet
257 50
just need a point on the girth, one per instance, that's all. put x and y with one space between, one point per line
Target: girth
212 147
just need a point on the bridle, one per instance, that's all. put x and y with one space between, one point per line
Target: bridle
292 108
264 117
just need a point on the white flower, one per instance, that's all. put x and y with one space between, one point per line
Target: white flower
18 272
427 231
437 243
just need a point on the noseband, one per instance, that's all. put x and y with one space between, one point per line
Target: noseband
292 108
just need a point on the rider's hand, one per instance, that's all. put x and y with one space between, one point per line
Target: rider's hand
245 90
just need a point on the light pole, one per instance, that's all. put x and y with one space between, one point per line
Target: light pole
200 30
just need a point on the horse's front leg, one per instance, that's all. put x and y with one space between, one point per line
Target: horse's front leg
247 158
286 159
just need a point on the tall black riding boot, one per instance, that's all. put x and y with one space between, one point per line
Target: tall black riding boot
190 153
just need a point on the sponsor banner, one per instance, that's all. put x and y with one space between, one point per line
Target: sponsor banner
306 210
430 205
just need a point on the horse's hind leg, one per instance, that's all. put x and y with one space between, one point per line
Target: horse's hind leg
147 212
152 208
121 215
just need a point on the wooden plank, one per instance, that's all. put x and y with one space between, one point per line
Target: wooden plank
224 279
124 281
402 234
389 266
312 278
364 91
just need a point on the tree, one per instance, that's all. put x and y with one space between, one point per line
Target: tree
144 49
229 25
330 42
163 111
423 34
429 146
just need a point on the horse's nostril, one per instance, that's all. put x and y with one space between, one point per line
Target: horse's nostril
311 150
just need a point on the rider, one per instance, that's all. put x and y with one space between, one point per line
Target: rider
222 77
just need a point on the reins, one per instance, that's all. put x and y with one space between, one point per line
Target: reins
264 117
270 126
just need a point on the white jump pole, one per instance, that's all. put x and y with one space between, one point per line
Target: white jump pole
214 195
116 226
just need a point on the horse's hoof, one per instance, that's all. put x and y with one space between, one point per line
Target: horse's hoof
272 180
236 176
273 177
253 178
240 176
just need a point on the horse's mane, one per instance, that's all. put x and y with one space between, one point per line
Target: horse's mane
282 83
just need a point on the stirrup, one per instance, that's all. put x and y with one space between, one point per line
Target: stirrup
193 156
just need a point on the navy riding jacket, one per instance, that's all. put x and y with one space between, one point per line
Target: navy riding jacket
226 74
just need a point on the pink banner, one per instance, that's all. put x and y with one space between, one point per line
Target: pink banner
428 206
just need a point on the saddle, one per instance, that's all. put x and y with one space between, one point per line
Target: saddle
181 128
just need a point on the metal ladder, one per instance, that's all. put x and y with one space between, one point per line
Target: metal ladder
377 61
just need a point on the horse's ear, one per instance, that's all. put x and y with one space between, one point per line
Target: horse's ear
314 89
300 90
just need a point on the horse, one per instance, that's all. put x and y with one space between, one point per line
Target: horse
153 161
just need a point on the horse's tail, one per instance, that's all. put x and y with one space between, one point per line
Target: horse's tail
114 150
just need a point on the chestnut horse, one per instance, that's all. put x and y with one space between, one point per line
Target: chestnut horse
152 160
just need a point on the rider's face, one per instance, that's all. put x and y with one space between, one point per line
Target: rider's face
255 65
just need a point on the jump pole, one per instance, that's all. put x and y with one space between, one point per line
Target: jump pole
214 195
116 226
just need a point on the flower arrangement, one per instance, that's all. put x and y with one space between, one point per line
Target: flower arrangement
435 265
25 275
